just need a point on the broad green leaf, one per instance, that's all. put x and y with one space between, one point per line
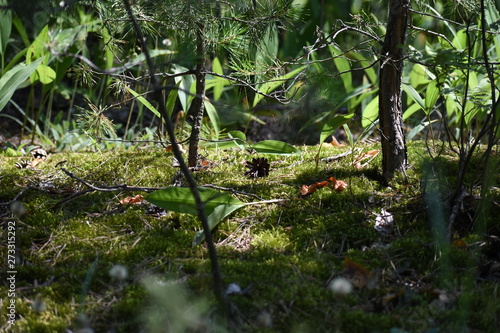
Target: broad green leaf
144 102
343 66
451 105
411 110
418 76
18 24
473 81
431 96
275 147
12 79
213 81
185 83
219 86
417 129
369 71
358 95
45 74
172 98
180 199
237 134
218 214
268 87
107 41
460 40
38 48
470 111
239 142
332 124
213 116
492 17
370 113
5 27
16 60
413 94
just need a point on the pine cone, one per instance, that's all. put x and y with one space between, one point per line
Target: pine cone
259 167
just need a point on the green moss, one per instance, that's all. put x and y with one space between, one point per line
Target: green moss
282 254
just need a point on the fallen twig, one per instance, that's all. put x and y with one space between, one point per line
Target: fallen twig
17 196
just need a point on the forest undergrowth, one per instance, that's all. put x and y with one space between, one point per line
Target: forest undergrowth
311 254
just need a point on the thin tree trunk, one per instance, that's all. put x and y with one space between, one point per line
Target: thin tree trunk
200 205
197 108
390 105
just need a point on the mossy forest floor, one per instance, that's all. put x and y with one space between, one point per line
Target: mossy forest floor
94 264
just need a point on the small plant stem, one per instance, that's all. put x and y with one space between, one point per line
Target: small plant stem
200 205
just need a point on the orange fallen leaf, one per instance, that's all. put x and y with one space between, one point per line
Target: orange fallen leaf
132 200
322 184
364 156
340 185
305 189
337 185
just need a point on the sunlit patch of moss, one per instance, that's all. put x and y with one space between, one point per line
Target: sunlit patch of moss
272 239
44 316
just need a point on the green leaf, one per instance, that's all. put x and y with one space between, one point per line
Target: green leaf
180 199
460 40
219 86
431 96
413 95
240 140
145 102
419 75
45 74
332 124
275 147
14 78
5 27
18 23
268 87
369 71
411 110
343 66
218 214
370 113
38 48
185 83
350 137
417 129
213 116
172 98
15 60
237 134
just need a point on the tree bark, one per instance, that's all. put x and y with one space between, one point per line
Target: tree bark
394 156
197 108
